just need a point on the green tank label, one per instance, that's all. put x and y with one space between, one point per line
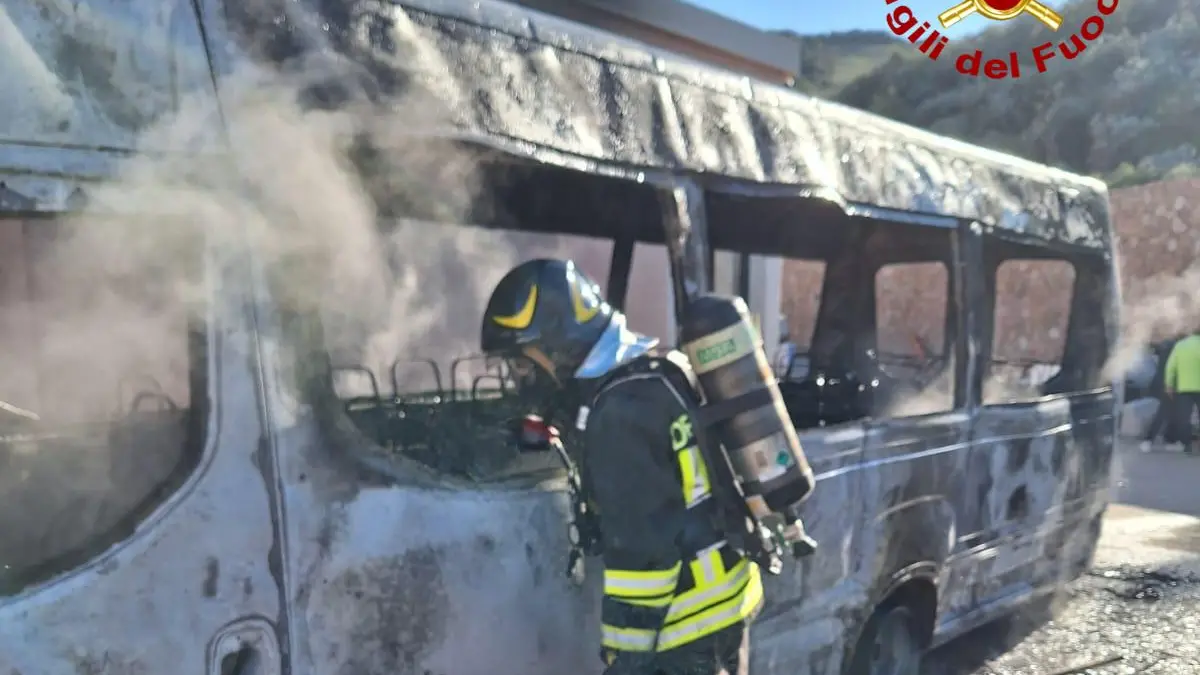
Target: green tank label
709 354
721 348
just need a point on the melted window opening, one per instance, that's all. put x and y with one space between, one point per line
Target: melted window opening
1030 321
404 350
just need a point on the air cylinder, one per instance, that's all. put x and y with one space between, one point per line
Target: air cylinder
727 355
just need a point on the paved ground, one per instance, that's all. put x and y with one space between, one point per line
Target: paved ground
1137 611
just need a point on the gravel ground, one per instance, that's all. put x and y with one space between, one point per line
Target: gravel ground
1121 620
1137 611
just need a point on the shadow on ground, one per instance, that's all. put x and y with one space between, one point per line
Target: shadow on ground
973 651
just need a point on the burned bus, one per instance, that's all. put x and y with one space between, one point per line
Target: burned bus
211 463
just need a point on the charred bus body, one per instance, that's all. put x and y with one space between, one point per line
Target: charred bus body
266 523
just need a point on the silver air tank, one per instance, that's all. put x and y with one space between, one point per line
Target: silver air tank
727 355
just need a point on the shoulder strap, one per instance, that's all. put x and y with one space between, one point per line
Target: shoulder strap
676 376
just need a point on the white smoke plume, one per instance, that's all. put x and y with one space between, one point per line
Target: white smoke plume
1155 309
119 282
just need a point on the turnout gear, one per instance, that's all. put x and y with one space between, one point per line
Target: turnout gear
726 652
671 575
655 490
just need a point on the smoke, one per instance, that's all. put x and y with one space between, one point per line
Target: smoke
116 286
1159 308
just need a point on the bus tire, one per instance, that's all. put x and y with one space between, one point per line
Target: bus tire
888 645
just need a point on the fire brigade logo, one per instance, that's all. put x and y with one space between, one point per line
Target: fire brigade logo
1001 10
927 37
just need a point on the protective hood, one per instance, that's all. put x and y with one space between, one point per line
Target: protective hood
616 346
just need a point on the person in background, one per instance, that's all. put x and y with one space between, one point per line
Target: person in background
1181 380
1157 388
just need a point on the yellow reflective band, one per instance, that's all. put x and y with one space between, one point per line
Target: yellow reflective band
712 620
707 565
694 476
522 318
699 598
659 601
641 583
627 639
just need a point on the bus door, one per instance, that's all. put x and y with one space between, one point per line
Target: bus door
918 436
1016 506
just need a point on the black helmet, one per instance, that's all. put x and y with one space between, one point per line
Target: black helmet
546 312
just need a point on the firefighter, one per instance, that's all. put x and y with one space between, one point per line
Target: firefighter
677 597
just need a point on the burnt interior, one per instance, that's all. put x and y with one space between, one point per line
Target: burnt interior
853 369
457 413
849 374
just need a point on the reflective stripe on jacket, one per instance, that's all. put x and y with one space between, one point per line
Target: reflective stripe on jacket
655 600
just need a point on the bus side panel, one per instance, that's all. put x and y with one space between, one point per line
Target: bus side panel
911 510
883 515
158 601
1094 423
1014 508
406 579
810 605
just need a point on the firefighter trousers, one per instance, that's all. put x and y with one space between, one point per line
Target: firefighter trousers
726 652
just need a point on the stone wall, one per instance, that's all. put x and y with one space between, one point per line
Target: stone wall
1158 230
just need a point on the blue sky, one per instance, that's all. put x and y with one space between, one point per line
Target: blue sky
822 16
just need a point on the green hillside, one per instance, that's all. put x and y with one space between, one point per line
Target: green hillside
1127 109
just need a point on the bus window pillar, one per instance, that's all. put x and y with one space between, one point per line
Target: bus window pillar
671 324
764 297
726 273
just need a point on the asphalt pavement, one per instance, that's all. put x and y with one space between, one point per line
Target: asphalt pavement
1136 612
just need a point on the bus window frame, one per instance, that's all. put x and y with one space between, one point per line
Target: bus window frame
204 334
679 227
1009 246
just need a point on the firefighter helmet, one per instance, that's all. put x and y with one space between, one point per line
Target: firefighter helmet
544 312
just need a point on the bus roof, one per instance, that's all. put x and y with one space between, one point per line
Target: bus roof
560 93
557 91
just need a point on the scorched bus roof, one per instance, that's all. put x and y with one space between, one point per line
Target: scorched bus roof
560 93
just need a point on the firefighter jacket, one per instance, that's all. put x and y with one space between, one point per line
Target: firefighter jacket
669 575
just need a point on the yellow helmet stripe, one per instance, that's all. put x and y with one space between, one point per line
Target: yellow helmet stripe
523 318
582 314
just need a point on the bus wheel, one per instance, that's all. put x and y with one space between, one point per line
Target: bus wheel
888 645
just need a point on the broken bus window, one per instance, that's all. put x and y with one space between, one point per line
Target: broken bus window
104 388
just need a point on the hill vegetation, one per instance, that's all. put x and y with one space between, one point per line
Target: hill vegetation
1127 109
